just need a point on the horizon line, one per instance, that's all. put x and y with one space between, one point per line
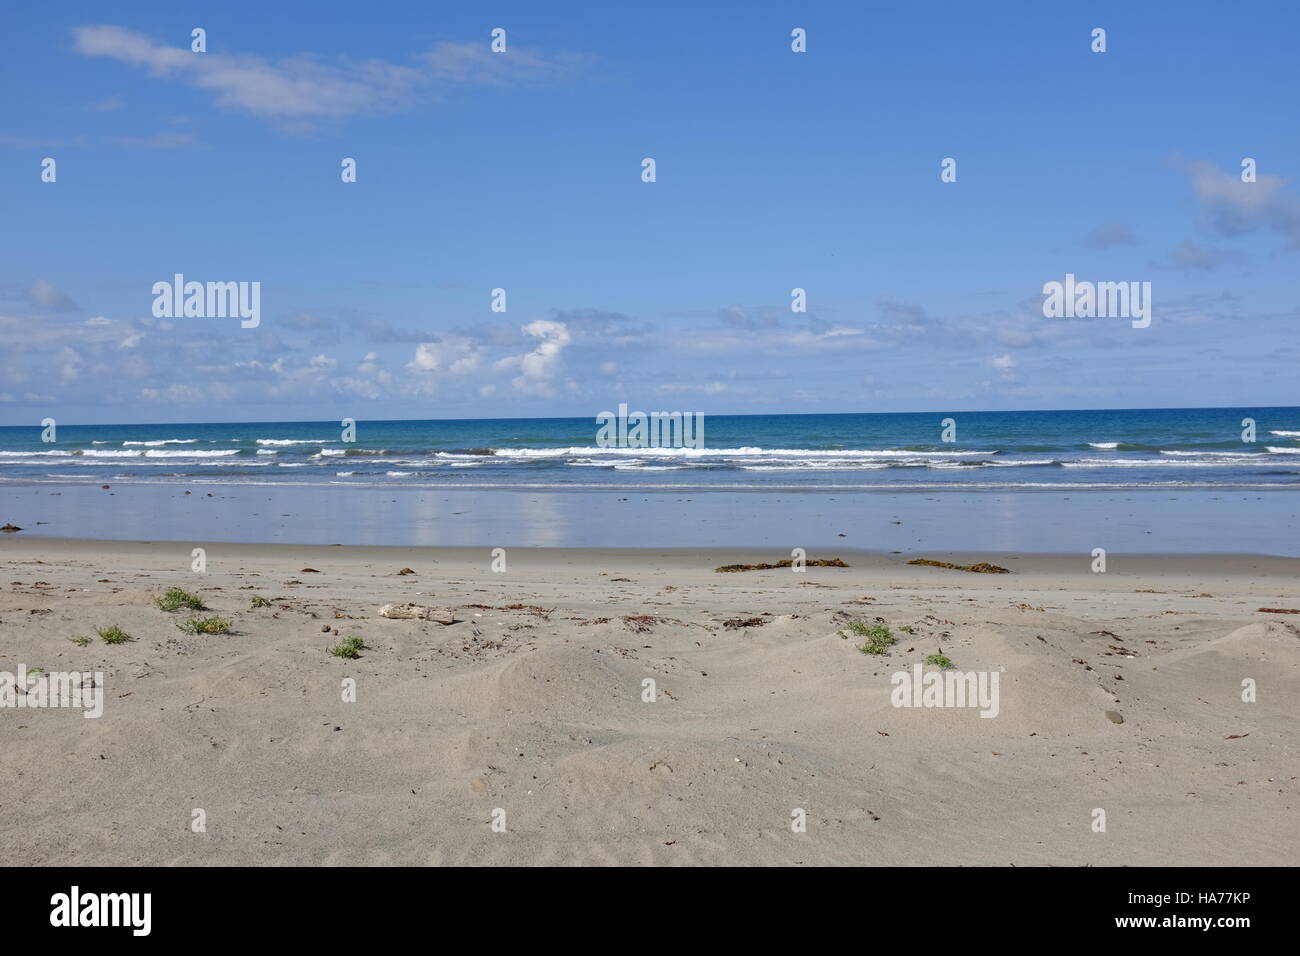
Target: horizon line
539 418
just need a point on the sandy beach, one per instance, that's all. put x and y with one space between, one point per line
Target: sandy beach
1120 691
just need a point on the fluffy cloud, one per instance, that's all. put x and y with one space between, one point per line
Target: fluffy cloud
451 355
537 368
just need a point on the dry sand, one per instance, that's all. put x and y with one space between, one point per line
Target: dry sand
538 710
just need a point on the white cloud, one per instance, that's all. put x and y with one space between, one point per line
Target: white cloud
307 87
1235 208
1006 365
476 63
454 355
539 366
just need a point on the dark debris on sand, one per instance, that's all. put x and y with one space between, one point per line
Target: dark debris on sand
983 567
820 563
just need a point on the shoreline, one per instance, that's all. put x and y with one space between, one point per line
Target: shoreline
981 487
1151 562
1188 522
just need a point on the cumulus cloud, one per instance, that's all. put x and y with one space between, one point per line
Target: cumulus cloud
111 361
538 367
451 355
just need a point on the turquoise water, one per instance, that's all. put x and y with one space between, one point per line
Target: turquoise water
1061 450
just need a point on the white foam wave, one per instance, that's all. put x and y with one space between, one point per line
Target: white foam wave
296 441
207 453
585 451
1206 454
1159 462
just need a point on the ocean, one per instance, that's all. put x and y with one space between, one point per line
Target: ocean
1040 450
1137 481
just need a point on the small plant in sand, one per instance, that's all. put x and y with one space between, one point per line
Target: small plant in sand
877 637
350 648
80 640
205 625
853 629
259 601
908 629
113 635
176 598
940 660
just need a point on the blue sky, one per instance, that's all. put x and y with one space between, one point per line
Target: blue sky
522 170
